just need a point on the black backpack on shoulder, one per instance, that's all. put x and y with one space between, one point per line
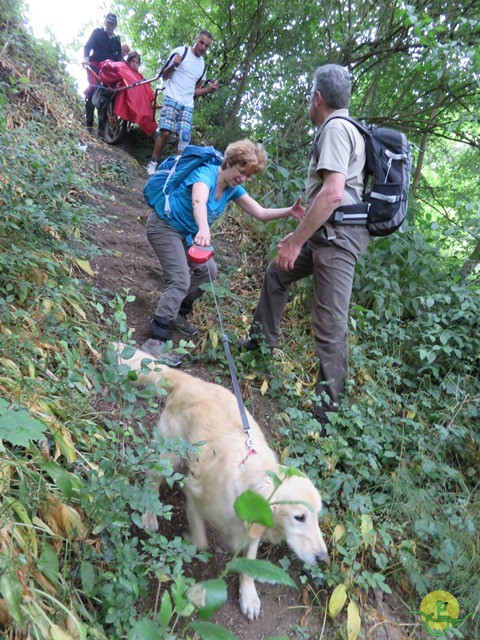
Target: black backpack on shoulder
387 180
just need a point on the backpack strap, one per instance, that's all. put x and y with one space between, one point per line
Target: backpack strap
203 72
353 213
168 208
184 55
360 125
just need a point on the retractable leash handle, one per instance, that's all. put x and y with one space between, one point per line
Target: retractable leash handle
199 255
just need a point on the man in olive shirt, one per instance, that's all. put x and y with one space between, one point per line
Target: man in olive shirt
319 247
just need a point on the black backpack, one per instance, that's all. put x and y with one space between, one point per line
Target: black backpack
387 180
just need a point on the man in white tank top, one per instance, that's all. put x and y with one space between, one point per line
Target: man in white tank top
184 74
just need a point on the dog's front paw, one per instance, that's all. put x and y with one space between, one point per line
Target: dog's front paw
150 521
249 602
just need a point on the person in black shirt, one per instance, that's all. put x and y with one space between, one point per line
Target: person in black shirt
102 45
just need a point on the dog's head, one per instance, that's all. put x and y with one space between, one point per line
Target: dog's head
296 506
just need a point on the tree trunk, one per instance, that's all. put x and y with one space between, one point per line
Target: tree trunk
472 262
247 63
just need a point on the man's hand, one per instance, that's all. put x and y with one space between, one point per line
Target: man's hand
213 85
288 252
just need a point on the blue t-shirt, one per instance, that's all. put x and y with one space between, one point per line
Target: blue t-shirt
181 217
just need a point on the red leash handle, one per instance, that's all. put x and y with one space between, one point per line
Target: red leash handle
199 255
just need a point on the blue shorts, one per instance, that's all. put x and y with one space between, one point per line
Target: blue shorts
175 116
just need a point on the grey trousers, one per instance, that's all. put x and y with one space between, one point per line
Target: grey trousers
182 279
330 256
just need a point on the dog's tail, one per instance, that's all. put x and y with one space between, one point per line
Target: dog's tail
150 372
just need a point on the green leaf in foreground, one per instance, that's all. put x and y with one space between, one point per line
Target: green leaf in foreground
17 427
261 570
144 630
166 610
208 596
12 591
210 631
252 507
64 480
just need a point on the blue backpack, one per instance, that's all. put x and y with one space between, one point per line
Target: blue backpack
172 172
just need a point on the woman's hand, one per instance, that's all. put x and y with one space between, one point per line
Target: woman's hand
203 239
297 210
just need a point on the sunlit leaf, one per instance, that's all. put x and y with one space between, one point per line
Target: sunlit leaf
338 532
85 266
353 621
337 600
57 633
367 530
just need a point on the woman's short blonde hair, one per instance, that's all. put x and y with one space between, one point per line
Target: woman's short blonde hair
246 154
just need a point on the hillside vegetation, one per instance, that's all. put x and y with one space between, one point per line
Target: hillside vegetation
398 470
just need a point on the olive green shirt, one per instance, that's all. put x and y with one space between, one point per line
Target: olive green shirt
339 147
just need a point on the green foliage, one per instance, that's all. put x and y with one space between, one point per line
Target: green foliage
117 171
398 468
264 55
398 471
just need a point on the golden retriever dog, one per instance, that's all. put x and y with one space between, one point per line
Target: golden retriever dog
224 467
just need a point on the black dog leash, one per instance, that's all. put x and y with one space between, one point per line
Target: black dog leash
199 255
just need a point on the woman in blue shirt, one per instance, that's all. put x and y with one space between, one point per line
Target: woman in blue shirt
195 205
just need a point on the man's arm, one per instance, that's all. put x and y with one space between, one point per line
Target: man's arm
327 200
175 60
201 91
90 44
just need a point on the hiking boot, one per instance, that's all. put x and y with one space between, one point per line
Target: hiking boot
182 325
152 167
158 350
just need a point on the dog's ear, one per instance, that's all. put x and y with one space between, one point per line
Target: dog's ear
255 531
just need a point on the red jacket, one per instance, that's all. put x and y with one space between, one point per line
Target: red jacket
135 104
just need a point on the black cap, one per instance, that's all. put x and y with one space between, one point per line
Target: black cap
111 17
